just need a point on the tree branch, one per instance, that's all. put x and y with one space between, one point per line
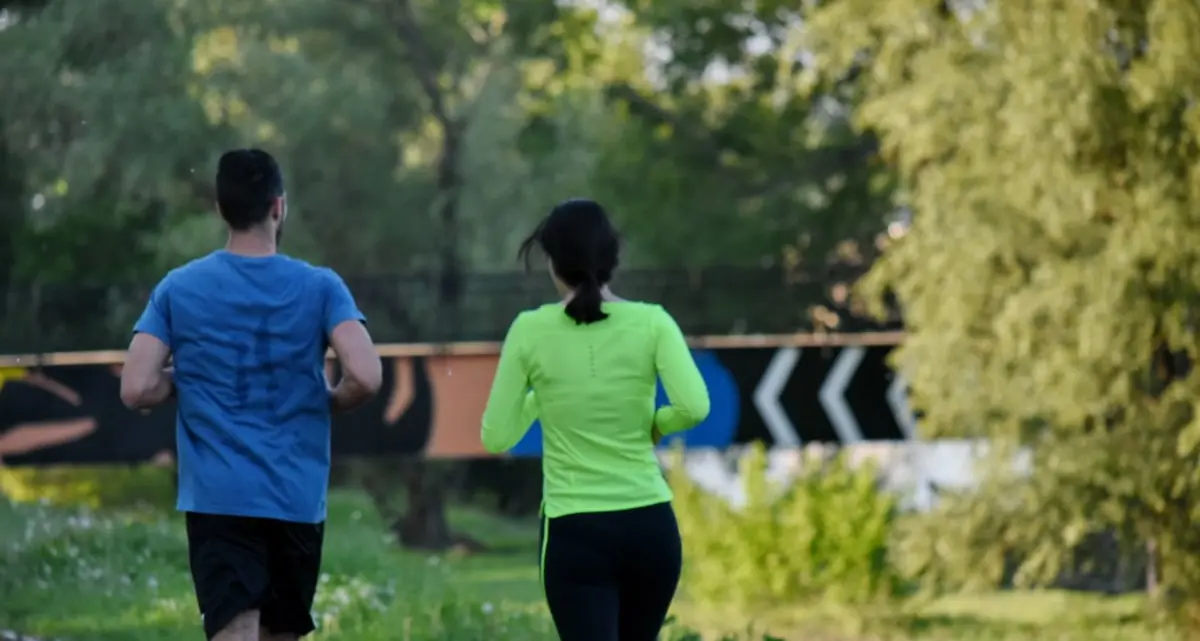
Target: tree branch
823 160
404 19
655 112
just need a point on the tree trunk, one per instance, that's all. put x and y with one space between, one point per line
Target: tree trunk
423 525
449 183
429 486
12 217
1152 582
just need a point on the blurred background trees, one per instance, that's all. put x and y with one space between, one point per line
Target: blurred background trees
421 134
1049 280
418 137
1048 151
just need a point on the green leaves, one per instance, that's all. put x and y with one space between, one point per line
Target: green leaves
105 130
725 140
1049 150
822 539
715 155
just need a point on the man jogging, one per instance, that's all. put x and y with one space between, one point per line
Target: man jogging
246 330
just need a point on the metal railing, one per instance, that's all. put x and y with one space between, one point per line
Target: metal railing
414 307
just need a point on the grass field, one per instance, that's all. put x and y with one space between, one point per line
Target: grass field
84 576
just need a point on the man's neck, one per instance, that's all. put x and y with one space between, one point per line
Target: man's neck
251 243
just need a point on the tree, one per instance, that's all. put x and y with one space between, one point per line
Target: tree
378 113
430 77
98 140
727 141
452 49
1050 153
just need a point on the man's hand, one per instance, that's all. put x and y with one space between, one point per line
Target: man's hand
146 380
362 370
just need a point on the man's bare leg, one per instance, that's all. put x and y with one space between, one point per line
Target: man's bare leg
265 635
244 627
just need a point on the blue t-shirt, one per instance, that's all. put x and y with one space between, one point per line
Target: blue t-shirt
248 336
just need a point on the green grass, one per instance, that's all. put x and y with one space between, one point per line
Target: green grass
1013 616
76 574
79 575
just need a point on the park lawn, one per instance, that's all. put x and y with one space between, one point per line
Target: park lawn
1050 615
77 575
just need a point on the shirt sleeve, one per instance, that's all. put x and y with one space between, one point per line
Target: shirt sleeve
156 318
511 406
339 303
687 395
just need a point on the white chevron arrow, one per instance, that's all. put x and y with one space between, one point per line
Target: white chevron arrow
766 397
833 395
897 399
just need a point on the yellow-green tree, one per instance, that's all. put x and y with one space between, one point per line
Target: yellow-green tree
1049 280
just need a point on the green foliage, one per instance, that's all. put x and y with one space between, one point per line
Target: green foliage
823 539
416 136
1051 152
736 143
384 112
102 575
91 486
96 107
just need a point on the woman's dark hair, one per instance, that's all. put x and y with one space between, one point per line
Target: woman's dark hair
583 248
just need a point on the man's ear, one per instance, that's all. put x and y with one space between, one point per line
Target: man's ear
279 211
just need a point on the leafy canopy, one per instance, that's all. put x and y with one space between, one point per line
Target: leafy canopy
1050 151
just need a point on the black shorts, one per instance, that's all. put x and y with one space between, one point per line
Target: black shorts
242 563
611 576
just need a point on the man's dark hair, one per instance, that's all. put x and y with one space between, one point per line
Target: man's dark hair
248 182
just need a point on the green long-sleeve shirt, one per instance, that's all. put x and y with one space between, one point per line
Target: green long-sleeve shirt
593 387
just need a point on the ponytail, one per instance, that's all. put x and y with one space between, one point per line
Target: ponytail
584 307
583 249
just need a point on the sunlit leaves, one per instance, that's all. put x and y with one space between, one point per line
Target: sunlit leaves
1049 150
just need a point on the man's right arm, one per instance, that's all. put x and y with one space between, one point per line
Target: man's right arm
362 371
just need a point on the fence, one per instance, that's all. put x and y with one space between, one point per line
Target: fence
421 308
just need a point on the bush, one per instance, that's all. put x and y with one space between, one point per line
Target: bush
823 538
1001 536
91 486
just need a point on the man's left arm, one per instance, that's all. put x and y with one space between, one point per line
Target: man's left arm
146 379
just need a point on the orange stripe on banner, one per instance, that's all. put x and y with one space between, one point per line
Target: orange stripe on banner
491 348
460 389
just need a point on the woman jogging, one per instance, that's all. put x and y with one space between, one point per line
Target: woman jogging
587 368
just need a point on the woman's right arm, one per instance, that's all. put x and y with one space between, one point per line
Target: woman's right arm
687 395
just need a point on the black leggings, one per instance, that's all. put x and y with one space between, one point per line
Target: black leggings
611 576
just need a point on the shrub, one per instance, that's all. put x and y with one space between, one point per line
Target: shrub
91 486
824 537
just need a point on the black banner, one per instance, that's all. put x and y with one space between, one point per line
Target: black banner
431 405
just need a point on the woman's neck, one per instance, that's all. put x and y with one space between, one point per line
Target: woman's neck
606 295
